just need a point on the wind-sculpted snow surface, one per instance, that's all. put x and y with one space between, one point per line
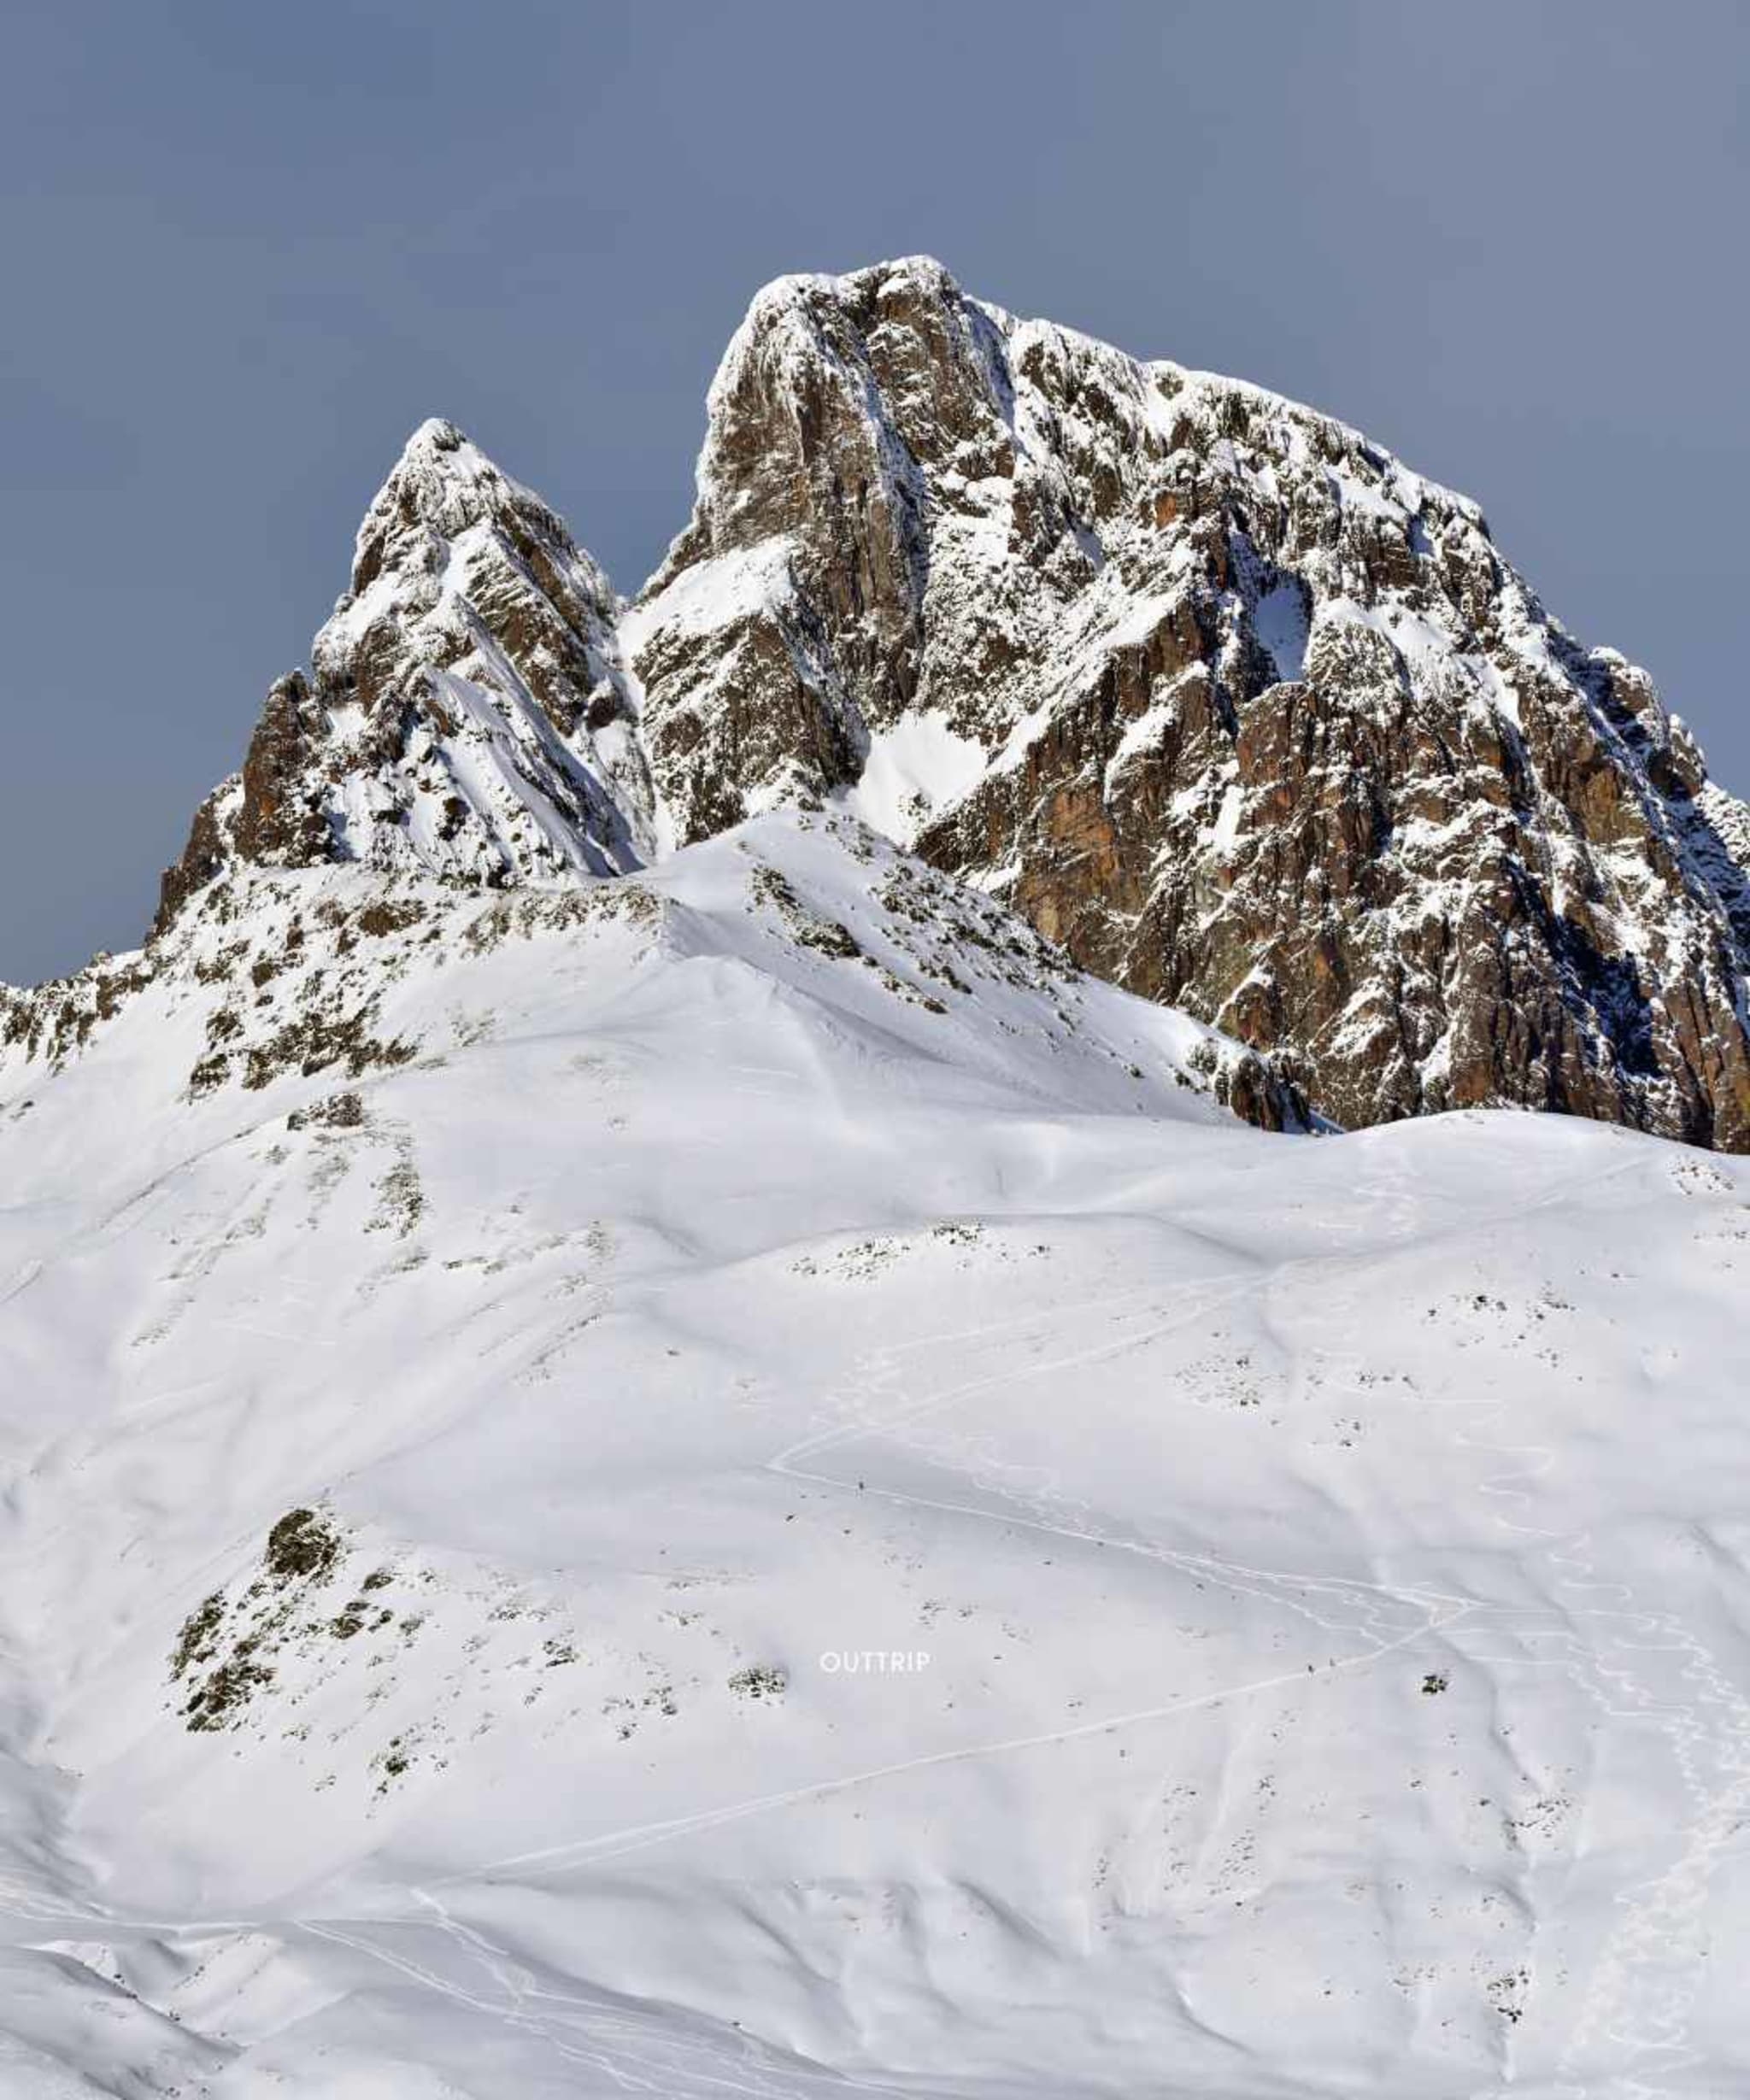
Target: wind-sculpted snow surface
486 1375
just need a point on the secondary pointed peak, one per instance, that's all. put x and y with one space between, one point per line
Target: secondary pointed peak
448 721
440 480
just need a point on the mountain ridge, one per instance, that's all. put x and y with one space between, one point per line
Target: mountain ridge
1219 694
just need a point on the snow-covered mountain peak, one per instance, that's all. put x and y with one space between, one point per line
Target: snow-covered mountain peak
803 305
465 713
441 485
1207 686
1214 690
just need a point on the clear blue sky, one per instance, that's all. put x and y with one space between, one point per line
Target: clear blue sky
244 249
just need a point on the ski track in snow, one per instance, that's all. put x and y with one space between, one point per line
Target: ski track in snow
1280 1587
618 2048
1642 1984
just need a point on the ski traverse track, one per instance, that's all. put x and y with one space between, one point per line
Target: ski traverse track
527 2003
618 2045
1351 1608
1289 1590
624 2046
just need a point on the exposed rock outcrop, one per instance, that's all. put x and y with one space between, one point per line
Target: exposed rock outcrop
1249 715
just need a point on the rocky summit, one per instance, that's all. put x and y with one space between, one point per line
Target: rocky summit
464 714
1242 712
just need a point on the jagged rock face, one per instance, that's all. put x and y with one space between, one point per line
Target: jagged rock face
1246 714
465 713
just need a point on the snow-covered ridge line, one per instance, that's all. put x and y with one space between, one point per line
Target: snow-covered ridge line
270 974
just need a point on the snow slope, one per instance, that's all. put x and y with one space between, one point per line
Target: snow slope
444 1487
